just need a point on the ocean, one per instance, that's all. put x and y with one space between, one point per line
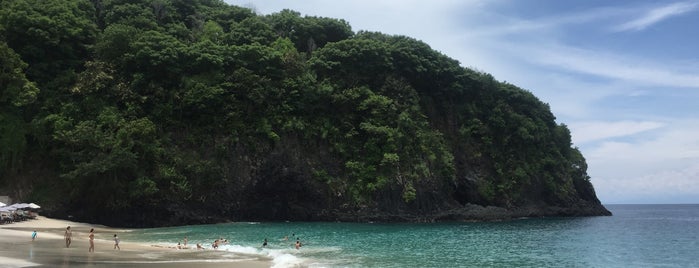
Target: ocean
636 236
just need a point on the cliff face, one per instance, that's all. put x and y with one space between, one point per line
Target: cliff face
282 186
285 188
200 112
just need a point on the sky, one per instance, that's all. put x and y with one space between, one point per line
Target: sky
622 75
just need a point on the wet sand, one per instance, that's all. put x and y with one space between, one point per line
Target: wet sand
49 250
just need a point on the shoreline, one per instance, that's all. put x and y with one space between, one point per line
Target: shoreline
48 249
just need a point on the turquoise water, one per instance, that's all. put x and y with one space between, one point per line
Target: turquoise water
636 236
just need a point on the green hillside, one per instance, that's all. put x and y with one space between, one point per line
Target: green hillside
155 112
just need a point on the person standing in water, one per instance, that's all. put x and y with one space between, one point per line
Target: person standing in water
116 242
264 244
68 236
91 236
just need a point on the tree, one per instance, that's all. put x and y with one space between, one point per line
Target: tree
308 33
250 30
136 15
51 36
354 62
16 92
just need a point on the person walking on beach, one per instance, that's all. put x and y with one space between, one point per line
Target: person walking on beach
116 242
68 236
33 235
91 236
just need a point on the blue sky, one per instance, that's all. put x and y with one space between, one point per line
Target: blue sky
623 75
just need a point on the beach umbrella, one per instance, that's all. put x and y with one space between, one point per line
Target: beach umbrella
33 206
16 206
6 209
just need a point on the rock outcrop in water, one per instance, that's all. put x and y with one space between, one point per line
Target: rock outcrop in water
185 112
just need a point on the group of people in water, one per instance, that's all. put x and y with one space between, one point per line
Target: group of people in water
214 245
297 245
222 241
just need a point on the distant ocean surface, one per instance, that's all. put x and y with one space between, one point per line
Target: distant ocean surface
636 236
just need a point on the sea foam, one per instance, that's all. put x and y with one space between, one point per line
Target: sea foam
281 258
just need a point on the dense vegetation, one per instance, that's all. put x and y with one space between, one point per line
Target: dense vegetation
142 112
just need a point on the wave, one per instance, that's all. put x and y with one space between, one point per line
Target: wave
281 258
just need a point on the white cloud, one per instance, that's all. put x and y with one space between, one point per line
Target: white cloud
661 166
672 141
680 185
657 15
505 25
609 65
592 131
538 41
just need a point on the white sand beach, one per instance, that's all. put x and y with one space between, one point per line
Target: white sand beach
48 249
